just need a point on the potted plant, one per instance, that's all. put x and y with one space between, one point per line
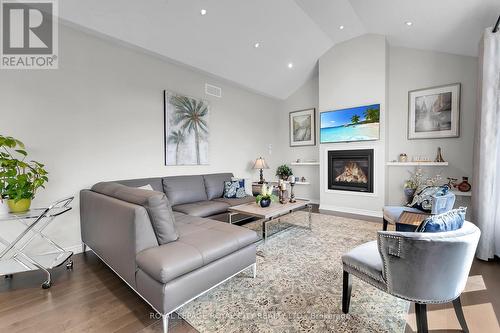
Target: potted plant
19 179
284 171
412 184
266 196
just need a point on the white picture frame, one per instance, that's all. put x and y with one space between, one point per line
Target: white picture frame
302 127
434 112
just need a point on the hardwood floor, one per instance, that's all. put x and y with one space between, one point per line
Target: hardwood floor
91 298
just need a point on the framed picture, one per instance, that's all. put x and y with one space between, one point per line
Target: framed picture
303 128
434 112
186 129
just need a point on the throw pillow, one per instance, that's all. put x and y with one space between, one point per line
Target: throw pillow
234 189
156 204
146 187
449 221
423 198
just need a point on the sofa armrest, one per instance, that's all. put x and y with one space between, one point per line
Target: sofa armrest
116 231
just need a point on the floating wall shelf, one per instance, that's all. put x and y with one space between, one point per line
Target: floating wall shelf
462 194
417 164
304 163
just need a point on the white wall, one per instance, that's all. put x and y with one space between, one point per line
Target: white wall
354 73
305 97
411 69
99 117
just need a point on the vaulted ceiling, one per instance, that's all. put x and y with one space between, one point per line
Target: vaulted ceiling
222 42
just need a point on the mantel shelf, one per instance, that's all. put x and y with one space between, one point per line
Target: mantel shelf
462 194
304 163
407 164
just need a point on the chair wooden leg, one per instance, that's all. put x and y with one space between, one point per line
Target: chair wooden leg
457 304
346 292
384 228
421 314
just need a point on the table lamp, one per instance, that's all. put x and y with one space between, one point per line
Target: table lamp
261 164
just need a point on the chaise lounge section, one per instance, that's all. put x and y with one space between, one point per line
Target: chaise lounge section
169 257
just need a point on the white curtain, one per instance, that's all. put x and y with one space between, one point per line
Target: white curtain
486 178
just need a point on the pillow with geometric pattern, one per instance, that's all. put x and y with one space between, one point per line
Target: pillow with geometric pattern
234 189
423 198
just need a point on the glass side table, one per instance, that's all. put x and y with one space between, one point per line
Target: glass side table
13 257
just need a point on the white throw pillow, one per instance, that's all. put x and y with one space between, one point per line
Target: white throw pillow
146 187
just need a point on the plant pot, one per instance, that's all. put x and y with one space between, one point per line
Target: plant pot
4 208
265 203
20 206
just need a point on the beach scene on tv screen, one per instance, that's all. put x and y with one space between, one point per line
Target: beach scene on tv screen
355 124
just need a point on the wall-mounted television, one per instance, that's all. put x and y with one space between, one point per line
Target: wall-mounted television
361 123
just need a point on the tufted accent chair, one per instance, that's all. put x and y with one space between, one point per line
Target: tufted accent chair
423 268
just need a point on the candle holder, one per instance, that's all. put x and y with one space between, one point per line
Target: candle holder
292 195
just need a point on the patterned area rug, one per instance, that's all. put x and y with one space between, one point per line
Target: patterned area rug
299 286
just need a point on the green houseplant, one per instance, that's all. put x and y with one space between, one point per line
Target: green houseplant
266 196
284 171
19 179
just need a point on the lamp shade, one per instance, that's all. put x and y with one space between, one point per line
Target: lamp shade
260 163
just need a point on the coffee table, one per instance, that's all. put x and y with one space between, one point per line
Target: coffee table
273 212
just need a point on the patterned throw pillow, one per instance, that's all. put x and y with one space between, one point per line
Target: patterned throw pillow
449 221
234 189
423 198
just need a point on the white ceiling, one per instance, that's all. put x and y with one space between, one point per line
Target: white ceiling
297 31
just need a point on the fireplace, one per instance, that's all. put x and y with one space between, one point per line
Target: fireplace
351 170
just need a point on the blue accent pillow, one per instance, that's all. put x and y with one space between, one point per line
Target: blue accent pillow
423 198
449 221
234 189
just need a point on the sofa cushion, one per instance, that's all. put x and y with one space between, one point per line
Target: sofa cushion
449 221
365 259
184 189
155 183
237 201
156 204
202 208
201 242
214 184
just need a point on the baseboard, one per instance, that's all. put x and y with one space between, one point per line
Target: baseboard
349 210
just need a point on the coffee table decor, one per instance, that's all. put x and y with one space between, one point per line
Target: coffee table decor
269 214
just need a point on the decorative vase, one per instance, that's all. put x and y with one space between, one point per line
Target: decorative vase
19 206
265 203
464 186
409 193
4 208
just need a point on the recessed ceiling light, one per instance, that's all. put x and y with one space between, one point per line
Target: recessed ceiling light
203 12
341 27
409 23
290 65
256 45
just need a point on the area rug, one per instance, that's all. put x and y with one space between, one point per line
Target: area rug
299 286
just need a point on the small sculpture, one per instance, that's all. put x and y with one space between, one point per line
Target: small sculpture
439 157
464 186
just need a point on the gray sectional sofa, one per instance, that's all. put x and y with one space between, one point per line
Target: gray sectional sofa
161 242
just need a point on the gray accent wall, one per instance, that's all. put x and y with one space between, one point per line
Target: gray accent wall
411 69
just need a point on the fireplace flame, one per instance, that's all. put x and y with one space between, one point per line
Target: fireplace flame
352 174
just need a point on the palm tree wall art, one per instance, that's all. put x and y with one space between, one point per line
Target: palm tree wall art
186 130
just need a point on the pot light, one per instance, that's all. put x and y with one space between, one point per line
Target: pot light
341 27
290 65
256 45
409 23
203 12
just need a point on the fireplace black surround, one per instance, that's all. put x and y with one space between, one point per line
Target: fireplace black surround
351 170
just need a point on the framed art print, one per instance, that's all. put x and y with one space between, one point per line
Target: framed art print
434 112
186 129
302 127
